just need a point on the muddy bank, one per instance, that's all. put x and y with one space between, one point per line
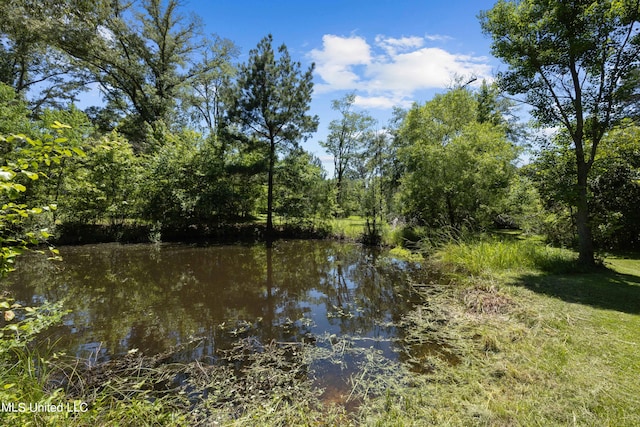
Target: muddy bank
79 234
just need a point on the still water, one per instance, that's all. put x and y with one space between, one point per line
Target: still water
155 297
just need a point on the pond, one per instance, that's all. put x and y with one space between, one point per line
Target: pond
201 299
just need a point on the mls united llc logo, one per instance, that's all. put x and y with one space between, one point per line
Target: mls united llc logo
42 407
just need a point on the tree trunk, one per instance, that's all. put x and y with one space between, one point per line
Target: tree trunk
272 162
585 239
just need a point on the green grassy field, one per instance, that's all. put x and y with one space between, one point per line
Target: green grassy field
536 347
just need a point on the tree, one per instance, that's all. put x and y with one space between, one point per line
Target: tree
373 163
204 97
456 169
104 188
302 189
271 103
171 183
613 186
574 62
29 61
14 113
144 58
347 136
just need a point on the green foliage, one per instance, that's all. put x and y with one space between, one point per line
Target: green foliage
458 170
23 323
241 184
614 192
302 193
521 208
73 140
553 49
104 187
23 166
577 64
23 368
347 137
170 184
29 61
205 97
271 103
13 111
615 189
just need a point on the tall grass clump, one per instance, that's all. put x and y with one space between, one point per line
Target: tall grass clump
494 256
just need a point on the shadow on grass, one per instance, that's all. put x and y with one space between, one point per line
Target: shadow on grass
601 288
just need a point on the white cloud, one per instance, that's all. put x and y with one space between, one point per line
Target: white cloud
382 101
437 37
391 70
337 58
425 68
326 159
392 45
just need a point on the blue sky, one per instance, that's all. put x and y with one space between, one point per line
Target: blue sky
391 52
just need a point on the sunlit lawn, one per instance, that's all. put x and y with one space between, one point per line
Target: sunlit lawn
537 349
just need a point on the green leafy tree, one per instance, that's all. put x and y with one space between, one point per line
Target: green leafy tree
347 137
574 62
456 169
77 138
373 203
104 187
522 206
62 174
392 167
271 103
302 190
204 98
614 188
170 183
144 55
14 115
29 60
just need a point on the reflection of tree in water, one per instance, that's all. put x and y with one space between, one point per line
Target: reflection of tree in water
147 339
362 297
156 297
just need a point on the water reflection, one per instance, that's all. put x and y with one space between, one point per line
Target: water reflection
155 297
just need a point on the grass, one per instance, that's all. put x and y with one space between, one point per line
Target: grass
510 255
537 346
350 228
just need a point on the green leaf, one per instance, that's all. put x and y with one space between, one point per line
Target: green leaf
31 175
58 125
